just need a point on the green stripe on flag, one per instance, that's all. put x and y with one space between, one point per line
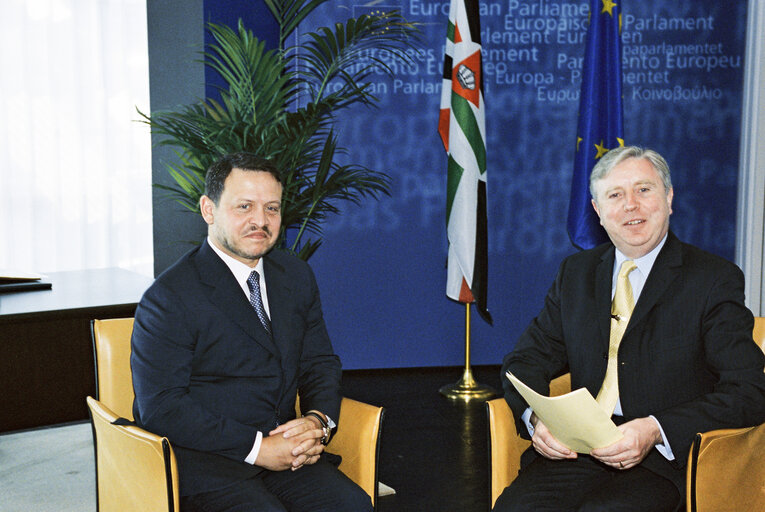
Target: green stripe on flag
467 121
450 32
452 183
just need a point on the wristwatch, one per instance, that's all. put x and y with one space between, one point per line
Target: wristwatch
324 427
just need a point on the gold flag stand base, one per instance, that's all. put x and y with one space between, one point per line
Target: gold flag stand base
467 389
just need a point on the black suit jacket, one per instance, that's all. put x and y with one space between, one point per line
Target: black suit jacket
209 377
687 356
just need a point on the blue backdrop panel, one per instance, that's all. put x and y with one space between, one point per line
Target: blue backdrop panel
382 266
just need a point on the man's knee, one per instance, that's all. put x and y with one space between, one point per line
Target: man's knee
361 503
508 502
329 490
354 499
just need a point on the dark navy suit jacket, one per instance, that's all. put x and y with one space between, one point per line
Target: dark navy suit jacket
209 377
687 356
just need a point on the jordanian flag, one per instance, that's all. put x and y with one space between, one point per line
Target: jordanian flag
462 128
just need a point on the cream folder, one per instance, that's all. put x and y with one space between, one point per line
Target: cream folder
575 419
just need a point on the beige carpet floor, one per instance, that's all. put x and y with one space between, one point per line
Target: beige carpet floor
47 470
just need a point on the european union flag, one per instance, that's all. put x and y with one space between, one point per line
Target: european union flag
601 117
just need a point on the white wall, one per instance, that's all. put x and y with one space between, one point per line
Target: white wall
751 195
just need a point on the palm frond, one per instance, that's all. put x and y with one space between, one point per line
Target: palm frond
314 194
190 180
352 51
289 14
307 249
259 86
280 103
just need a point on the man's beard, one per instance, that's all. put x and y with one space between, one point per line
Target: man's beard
248 256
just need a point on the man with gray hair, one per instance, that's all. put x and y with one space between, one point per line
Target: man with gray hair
656 330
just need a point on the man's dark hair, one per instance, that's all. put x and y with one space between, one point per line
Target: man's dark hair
219 171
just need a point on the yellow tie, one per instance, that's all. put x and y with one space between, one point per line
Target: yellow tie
621 310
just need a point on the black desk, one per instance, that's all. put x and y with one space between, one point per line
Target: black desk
46 353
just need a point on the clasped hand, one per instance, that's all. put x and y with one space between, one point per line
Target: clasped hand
640 435
291 445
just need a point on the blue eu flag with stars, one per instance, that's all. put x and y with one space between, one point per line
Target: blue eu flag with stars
601 117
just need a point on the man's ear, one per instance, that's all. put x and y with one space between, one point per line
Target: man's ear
670 195
206 207
595 206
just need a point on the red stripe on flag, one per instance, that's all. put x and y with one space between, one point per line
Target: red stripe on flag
443 126
457 35
466 296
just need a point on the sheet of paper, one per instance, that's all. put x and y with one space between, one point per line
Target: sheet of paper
575 419
16 275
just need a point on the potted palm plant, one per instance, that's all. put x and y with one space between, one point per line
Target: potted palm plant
281 103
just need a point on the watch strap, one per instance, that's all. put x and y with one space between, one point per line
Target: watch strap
324 426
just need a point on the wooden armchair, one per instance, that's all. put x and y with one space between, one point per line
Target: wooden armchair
726 468
129 459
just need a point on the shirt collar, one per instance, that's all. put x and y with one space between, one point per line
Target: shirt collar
644 263
240 270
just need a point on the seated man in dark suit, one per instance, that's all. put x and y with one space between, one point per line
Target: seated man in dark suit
223 342
656 330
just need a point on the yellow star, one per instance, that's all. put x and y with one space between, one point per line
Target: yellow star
621 142
608 7
578 140
602 150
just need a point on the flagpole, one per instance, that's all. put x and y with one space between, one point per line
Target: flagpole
461 124
467 388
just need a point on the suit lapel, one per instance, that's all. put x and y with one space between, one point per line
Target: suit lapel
663 273
227 295
279 292
603 280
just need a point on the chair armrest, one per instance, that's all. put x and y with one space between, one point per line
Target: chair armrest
357 441
560 385
135 469
505 447
726 470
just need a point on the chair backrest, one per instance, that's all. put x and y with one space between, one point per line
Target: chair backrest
137 470
726 470
358 442
759 331
504 453
114 381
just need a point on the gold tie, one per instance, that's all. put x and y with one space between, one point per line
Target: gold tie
621 310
